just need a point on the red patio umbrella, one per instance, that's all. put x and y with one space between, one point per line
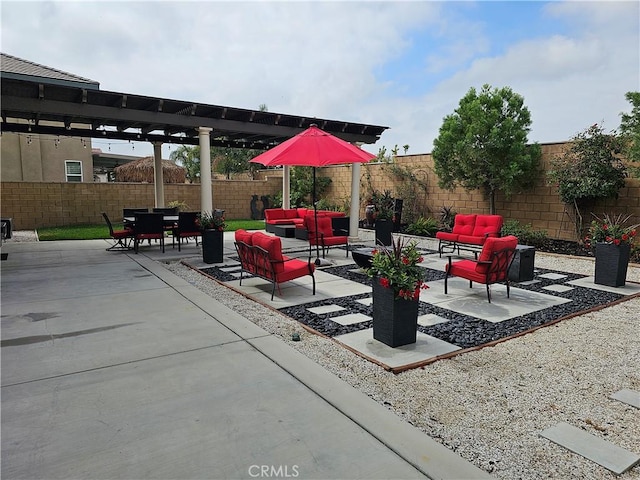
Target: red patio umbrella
313 148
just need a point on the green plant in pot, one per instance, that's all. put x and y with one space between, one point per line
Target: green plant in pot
383 217
613 242
212 225
211 221
397 281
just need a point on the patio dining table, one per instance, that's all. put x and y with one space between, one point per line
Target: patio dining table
167 219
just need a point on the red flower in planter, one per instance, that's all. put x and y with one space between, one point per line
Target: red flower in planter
397 268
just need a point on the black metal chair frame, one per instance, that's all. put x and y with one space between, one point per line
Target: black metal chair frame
121 242
186 223
148 226
498 267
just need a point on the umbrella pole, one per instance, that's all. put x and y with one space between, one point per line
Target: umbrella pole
315 216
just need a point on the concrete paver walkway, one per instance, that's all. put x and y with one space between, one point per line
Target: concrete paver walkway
113 367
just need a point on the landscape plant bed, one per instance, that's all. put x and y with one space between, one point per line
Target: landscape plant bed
464 331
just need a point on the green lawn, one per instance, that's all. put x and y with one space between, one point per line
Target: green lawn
91 232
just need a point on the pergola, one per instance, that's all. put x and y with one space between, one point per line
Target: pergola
40 100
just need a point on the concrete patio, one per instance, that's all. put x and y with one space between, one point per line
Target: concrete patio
113 367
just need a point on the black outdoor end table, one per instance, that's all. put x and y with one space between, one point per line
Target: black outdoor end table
287 231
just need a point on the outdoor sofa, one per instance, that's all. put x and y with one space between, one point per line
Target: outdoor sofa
470 232
292 216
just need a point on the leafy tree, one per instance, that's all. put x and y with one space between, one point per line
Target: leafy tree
189 158
590 169
483 144
630 131
301 186
233 160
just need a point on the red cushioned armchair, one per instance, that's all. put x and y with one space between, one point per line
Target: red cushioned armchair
491 267
261 255
324 236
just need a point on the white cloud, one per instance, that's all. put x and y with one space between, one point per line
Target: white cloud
326 59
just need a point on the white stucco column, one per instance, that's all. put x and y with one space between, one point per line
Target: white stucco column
158 176
286 186
206 194
354 211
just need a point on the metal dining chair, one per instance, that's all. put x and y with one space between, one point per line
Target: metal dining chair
148 226
122 237
186 227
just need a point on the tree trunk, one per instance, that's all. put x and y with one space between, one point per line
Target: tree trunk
492 202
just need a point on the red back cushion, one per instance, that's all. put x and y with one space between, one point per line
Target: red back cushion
325 227
244 236
302 212
491 245
273 214
487 225
272 245
463 224
291 213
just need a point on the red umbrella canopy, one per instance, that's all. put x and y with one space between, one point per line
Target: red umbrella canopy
313 148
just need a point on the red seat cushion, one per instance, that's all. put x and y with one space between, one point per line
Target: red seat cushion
294 268
282 221
466 269
122 233
447 236
471 239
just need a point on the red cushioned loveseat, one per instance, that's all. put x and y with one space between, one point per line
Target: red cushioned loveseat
470 231
261 255
292 216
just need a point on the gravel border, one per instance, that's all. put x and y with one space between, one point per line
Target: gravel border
490 405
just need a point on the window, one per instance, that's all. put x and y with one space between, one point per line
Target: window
74 170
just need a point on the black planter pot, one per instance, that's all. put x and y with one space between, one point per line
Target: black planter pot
212 246
395 321
384 229
611 264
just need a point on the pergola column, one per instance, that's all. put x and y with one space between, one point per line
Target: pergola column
158 175
206 194
354 210
286 186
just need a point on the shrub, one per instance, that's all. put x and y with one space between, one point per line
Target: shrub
181 206
425 227
525 233
447 218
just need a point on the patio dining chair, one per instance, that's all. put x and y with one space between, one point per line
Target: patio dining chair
122 237
324 236
186 227
148 226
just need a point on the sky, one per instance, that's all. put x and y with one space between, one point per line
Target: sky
400 64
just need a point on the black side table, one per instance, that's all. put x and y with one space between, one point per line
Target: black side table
521 269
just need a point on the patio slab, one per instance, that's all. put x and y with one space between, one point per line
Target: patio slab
604 453
630 397
396 359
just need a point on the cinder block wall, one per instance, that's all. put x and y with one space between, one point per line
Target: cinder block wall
38 204
35 204
541 206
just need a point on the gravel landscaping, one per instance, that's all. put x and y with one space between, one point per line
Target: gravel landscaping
490 405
